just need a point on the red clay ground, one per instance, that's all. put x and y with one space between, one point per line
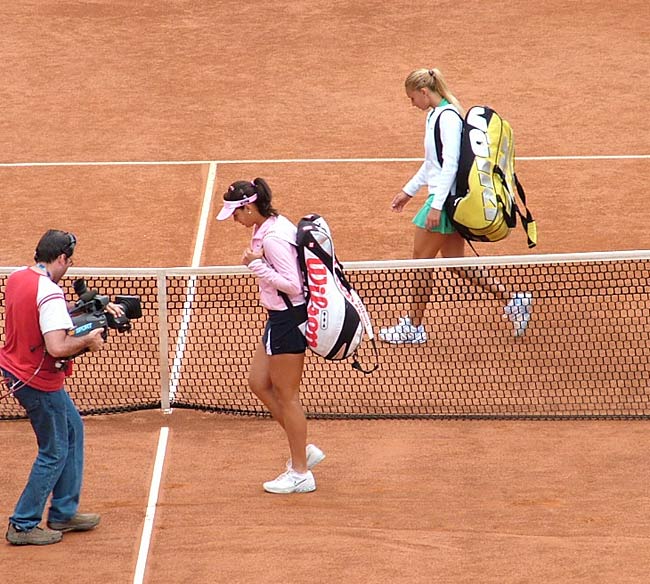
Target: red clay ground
397 501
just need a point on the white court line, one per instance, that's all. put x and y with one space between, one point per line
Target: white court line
191 285
300 161
205 211
141 565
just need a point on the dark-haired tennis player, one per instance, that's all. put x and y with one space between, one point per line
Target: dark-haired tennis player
36 326
277 366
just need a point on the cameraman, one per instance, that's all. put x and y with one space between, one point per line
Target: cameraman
36 326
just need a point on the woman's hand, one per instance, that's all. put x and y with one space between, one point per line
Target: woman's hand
249 255
433 219
399 202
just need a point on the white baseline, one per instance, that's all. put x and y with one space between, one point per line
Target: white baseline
302 161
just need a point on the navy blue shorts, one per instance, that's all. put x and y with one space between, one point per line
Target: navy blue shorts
282 333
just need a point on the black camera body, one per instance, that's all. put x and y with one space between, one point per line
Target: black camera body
89 313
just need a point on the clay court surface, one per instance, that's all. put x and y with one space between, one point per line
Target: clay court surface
117 120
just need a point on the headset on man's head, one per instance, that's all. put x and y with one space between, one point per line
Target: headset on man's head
68 250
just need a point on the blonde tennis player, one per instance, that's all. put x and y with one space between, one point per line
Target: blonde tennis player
277 366
434 233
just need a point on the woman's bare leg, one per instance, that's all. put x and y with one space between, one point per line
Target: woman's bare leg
427 244
286 372
453 246
259 380
275 380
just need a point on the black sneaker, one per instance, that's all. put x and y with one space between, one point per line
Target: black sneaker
79 522
35 536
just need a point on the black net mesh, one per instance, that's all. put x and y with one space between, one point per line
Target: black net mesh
584 352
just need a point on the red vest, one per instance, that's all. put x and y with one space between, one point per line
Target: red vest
24 349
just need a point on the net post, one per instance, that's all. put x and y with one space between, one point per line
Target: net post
163 343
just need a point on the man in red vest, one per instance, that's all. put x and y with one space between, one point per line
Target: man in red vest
33 362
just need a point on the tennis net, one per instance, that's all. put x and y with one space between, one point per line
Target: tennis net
585 352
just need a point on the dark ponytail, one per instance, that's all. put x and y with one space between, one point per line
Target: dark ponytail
242 189
264 197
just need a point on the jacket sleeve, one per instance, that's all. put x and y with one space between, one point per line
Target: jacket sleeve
450 133
417 182
279 266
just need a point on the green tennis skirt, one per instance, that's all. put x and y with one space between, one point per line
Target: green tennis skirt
420 219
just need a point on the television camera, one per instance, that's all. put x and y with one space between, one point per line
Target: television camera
89 312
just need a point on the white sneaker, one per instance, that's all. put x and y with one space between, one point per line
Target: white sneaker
314 456
519 310
291 482
404 332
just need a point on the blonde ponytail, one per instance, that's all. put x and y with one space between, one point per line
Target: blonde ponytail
433 80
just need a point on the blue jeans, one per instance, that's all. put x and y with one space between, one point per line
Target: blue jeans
58 468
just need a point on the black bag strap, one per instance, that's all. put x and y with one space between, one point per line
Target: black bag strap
511 219
285 297
436 133
528 222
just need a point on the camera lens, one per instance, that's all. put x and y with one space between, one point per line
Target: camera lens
80 286
130 305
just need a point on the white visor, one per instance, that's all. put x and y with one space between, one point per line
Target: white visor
229 206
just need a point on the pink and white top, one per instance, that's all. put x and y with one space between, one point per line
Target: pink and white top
278 270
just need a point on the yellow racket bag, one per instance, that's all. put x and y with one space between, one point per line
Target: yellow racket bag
484 206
